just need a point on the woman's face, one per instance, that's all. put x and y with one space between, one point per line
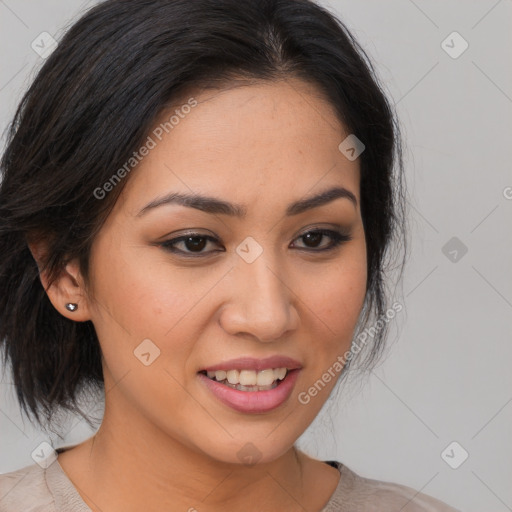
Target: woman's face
251 286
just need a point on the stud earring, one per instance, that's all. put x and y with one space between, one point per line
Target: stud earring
70 306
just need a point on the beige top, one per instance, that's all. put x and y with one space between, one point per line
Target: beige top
35 489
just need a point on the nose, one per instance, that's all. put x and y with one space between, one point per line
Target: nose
261 304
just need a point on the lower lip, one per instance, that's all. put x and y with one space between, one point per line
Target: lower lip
253 401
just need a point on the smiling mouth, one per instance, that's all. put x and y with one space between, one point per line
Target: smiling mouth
248 380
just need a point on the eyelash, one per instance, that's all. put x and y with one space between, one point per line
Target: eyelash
336 237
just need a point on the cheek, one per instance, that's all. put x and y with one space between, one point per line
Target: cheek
337 296
147 309
334 306
143 292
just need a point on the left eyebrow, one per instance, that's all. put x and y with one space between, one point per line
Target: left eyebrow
217 206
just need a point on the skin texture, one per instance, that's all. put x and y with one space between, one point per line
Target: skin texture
166 442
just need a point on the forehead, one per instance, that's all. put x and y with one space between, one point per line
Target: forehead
277 139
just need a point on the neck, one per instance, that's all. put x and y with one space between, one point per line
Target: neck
125 459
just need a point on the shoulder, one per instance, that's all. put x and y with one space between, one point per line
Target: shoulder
25 489
356 493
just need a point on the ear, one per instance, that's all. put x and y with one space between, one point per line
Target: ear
68 287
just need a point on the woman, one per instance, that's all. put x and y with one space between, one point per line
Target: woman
198 199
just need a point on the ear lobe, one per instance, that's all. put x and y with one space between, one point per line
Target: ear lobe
66 288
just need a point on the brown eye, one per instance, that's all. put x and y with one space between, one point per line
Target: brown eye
312 239
193 243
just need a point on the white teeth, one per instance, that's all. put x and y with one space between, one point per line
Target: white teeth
280 372
249 377
220 375
233 376
266 377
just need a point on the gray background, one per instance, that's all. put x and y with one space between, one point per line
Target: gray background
447 376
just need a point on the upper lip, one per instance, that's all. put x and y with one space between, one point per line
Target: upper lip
251 363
